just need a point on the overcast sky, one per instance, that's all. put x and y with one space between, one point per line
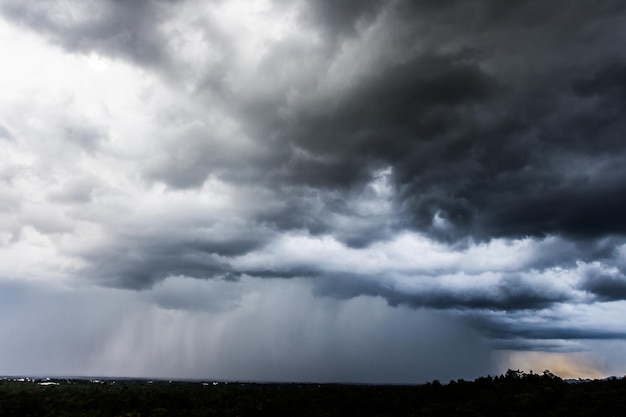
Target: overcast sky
366 191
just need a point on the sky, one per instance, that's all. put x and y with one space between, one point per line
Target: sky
380 191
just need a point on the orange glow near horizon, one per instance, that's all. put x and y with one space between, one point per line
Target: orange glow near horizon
563 364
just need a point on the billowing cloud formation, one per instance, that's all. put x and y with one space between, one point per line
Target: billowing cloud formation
439 156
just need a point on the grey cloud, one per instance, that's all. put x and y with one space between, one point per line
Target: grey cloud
330 212
237 245
180 293
78 190
44 221
341 16
608 83
573 333
478 143
179 173
137 264
510 294
9 201
540 336
126 29
499 175
195 152
307 210
507 296
85 137
399 112
607 285
5 133
140 258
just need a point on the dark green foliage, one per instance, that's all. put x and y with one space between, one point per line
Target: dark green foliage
513 394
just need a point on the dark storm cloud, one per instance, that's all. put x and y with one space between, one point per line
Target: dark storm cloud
321 212
144 269
510 294
139 263
502 120
548 335
506 296
515 131
533 169
607 285
607 84
572 333
396 113
341 17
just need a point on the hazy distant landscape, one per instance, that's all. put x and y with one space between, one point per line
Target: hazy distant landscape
513 394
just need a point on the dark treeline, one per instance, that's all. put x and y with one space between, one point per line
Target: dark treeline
513 394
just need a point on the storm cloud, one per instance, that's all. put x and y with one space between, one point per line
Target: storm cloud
459 162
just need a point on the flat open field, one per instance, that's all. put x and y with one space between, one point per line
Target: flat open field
513 394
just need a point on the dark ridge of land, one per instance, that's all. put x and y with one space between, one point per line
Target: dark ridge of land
513 394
